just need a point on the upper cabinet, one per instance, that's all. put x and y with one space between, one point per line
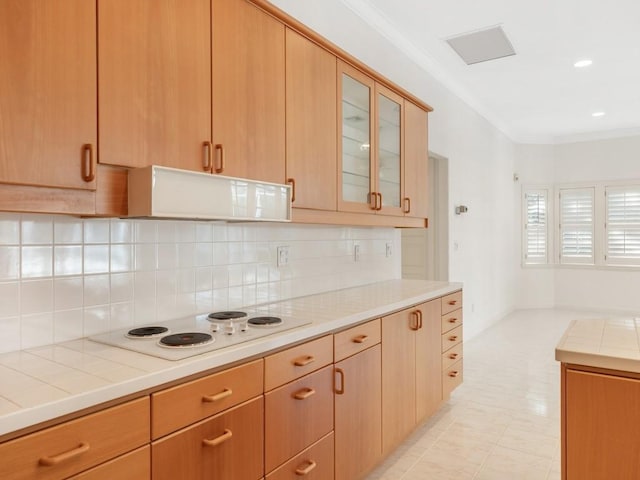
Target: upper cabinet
416 161
311 133
48 124
248 92
155 82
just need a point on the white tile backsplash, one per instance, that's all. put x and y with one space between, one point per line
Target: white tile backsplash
63 278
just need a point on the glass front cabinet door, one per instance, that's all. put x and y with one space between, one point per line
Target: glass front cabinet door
370 145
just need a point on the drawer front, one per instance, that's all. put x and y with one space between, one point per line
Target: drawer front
451 378
451 302
131 466
451 320
177 407
295 362
451 338
451 356
226 446
74 446
297 415
356 339
314 463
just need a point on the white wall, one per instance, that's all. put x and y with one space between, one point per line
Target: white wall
481 162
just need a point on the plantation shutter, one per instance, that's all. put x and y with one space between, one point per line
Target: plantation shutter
622 225
576 225
535 243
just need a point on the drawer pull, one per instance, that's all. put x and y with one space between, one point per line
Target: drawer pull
220 148
206 160
303 471
56 459
419 319
453 356
340 391
454 374
453 338
360 339
453 320
304 393
218 440
302 361
227 392
452 302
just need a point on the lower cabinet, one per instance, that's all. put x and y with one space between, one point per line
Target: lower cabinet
314 463
226 446
131 466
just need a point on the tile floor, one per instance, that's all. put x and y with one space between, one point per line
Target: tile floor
503 423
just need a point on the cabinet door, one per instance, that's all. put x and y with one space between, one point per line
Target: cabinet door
48 93
135 465
227 446
428 360
155 82
248 92
416 161
311 123
398 377
358 414
356 180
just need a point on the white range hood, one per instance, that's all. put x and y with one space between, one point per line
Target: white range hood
162 192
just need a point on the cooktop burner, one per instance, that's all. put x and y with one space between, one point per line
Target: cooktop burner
226 315
146 332
264 321
187 339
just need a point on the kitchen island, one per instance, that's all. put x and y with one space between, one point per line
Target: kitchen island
600 399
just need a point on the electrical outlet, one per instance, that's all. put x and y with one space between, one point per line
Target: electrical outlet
283 256
389 249
356 253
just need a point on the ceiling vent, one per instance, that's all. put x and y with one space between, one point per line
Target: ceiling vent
482 45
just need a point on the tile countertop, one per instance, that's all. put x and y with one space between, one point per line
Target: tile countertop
43 383
606 343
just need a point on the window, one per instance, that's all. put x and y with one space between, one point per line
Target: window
536 219
576 225
622 226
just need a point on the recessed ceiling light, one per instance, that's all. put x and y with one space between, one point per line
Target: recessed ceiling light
597 114
582 63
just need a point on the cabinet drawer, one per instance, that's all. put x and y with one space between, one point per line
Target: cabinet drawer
356 339
451 302
226 446
451 338
131 466
296 415
74 446
314 463
451 356
185 404
451 320
294 362
451 378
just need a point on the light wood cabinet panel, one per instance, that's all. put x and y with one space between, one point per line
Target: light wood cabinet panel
248 92
416 161
296 415
356 339
48 93
451 378
155 82
451 302
311 135
451 320
358 414
451 338
451 356
314 463
428 360
189 402
131 466
226 446
600 426
74 446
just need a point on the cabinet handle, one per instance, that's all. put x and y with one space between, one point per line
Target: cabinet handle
407 205
453 338
88 165
453 320
453 356
227 392
220 148
414 325
292 181
214 442
304 393
380 204
454 374
452 302
419 319
303 471
360 339
302 361
373 198
206 159
56 459
340 391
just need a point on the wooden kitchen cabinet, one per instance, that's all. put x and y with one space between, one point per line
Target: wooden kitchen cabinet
48 97
226 446
358 413
248 110
428 361
313 463
135 465
311 132
451 341
415 202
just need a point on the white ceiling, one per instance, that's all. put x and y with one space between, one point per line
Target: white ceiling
537 95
